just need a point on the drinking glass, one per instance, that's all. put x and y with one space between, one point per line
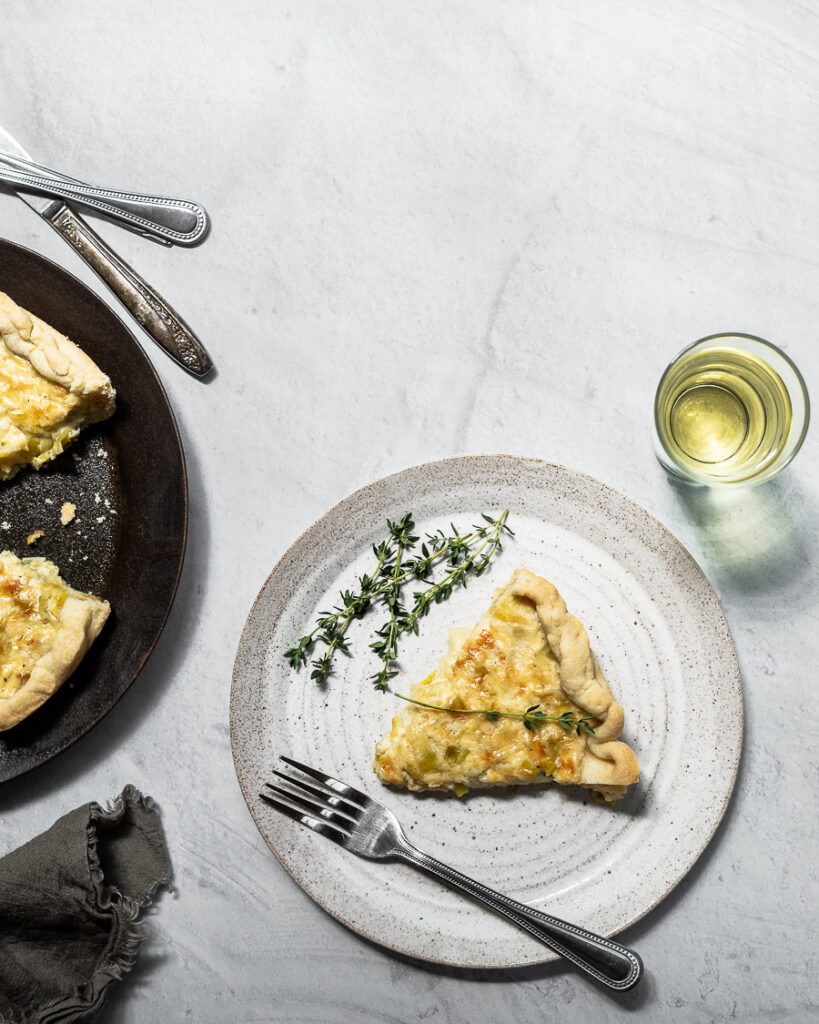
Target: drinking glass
730 409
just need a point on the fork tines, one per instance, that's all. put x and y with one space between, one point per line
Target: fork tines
332 809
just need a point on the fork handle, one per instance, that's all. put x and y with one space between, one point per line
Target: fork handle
610 963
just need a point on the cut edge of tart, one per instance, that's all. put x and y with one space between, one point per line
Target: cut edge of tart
49 390
46 627
527 650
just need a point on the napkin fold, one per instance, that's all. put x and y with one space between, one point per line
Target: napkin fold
68 902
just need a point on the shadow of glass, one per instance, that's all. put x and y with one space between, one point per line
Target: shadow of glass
753 538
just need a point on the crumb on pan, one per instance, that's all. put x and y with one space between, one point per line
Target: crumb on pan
34 537
67 513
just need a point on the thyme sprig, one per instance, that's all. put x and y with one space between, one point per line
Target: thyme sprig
399 560
331 627
462 558
532 718
386 647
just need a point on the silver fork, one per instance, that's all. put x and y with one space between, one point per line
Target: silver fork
367 828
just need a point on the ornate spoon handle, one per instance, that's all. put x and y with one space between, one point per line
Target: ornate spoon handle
147 307
174 221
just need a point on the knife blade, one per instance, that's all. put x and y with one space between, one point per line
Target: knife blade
148 308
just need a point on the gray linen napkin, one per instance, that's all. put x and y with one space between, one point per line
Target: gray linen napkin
68 901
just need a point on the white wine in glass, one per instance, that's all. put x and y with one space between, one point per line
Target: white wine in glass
730 409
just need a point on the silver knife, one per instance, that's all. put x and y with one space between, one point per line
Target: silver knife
147 306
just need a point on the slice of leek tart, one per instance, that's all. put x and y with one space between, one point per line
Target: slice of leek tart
526 651
45 629
49 390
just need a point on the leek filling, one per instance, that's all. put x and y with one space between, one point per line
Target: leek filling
28 619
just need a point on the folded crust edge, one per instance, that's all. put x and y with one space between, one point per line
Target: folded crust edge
607 761
81 619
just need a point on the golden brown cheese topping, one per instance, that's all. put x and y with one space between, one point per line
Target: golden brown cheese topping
49 390
32 402
505 665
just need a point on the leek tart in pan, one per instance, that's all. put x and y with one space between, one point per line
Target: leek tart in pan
49 390
45 629
124 476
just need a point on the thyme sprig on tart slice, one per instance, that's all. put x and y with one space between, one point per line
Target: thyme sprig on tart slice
400 561
532 717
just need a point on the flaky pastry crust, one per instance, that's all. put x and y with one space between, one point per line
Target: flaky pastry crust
45 631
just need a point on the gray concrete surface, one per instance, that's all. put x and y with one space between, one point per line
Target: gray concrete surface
443 228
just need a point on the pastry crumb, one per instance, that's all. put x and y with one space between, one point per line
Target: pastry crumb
6 525
34 537
97 498
67 513
77 458
100 519
48 501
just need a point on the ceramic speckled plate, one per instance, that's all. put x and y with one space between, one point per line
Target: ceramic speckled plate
663 643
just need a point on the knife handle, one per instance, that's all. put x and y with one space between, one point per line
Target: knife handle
147 307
